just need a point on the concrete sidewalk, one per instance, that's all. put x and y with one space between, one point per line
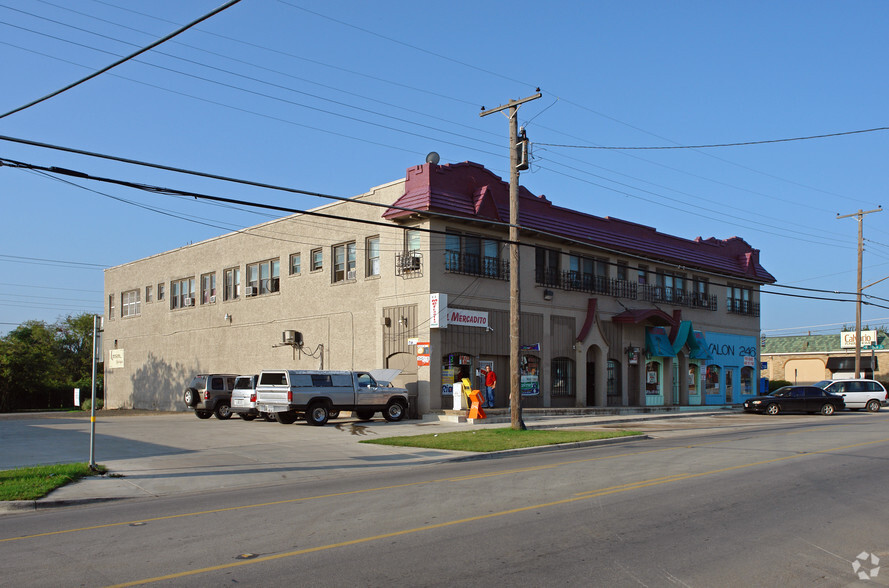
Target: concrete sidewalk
158 454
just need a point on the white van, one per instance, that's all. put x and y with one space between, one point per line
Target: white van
858 394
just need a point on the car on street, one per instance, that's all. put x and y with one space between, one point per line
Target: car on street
858 394
210 394
810 399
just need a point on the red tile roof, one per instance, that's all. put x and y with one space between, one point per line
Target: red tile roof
469 190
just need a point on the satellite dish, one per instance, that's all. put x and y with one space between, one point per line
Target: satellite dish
433 158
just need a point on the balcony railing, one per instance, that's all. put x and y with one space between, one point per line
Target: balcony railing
676 296
736 306
573 281
476 265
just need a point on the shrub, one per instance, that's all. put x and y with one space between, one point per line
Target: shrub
775 384
87 404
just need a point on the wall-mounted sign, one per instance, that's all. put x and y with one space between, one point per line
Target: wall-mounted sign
438 303
116 359
422 353
847 339
532 347
466 318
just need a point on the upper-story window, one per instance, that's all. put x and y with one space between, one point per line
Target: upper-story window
642 275
182 293
344 259
208 288
412 240
700 292
590 275
263 277
317 260
672 286
160 292
622 271
231 287
111 307
740 301
372 248
231 283
473 255
546 270
295 264
129 303
147 294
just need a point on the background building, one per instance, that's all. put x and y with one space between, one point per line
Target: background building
414 275
805 359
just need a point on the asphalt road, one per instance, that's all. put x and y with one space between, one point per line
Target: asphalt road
724 501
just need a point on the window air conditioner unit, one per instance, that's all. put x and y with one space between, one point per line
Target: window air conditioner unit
189 302
350 275
410 262
212 299
251 291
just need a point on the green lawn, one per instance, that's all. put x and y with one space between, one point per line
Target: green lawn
484 440
36 482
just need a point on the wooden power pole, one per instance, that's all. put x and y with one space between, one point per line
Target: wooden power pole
860 216
515 396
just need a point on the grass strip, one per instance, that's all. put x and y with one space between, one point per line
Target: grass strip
485 440
31 483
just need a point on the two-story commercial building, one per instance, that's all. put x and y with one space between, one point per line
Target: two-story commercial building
414 275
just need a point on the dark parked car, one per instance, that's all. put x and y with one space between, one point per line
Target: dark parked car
210 394
796 399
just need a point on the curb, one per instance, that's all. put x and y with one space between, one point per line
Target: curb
10 506
555 447
14 506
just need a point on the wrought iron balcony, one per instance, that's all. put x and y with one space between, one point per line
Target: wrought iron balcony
476 265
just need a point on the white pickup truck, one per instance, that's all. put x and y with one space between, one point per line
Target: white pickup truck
317 393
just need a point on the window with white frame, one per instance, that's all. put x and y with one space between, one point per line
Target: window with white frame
182 293
208 288
129 303
295 264
111 307
344 262
160 292
373 256
231 286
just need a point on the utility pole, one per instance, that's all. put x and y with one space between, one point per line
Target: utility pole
860 216
515 382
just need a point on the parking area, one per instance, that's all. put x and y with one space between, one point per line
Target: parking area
162 453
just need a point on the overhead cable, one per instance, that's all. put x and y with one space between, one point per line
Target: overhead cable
708 146
148 47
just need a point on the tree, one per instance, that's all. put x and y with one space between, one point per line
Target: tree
37 359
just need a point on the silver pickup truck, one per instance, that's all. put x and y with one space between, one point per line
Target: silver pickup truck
316 393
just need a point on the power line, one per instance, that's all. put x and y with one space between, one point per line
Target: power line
712 145
173 192
81 264
124 59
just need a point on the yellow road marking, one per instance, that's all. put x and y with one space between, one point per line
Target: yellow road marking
575 498
335 495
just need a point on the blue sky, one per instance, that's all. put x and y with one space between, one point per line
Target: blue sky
339 96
